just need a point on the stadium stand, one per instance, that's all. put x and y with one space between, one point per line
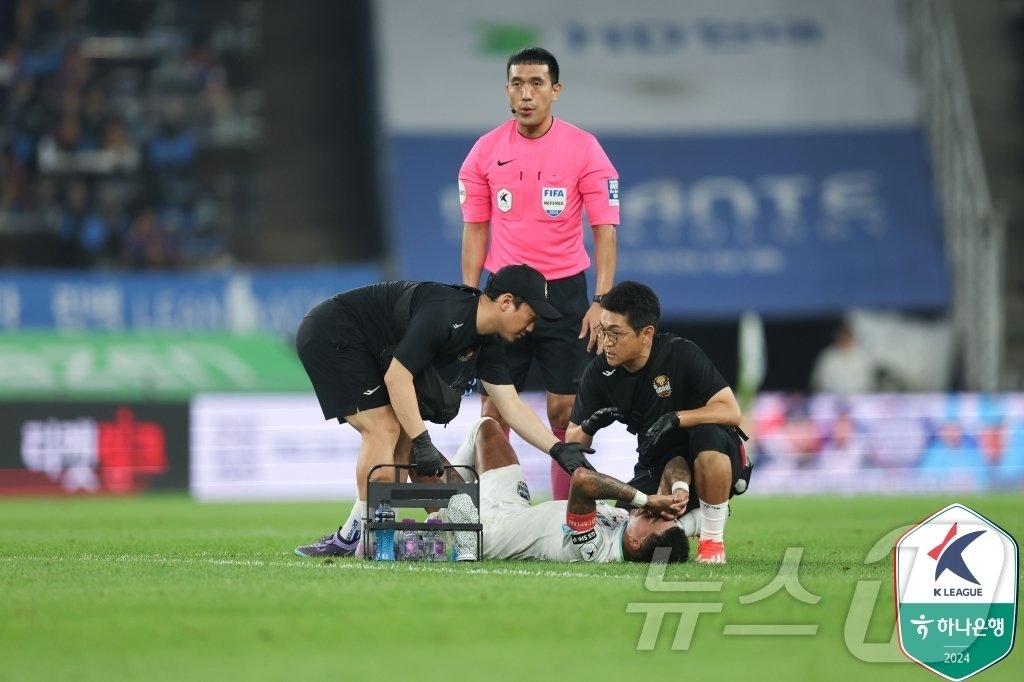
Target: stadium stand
127 129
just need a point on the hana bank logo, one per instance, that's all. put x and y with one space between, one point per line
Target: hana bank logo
87 454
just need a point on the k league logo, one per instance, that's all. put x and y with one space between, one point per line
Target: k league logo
952 559
956 592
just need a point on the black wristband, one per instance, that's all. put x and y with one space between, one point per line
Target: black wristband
598 298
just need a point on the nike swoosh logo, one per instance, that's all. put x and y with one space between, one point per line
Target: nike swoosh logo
608 372
456 326
371 391
502 163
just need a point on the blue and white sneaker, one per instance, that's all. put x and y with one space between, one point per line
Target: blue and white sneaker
329 546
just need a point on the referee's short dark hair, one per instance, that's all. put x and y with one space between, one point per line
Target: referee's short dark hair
534 55
636 302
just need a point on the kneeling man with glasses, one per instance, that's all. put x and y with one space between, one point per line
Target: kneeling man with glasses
667 392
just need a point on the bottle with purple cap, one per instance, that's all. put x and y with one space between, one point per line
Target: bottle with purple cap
433 541
410 543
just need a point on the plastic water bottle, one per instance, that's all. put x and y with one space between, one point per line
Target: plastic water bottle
427 537
385 550
410 542
433 541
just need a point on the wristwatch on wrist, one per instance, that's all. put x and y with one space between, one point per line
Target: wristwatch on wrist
598 298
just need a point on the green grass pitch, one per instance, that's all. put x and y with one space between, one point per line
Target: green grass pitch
161 587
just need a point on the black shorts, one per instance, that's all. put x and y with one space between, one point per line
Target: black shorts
556 345
702 437
346 377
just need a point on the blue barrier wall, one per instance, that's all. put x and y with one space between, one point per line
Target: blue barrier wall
797 224
236 301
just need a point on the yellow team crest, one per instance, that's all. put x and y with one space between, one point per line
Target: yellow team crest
662 386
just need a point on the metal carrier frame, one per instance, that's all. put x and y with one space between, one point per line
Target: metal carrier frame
424 495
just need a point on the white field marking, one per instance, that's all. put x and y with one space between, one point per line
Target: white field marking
341 564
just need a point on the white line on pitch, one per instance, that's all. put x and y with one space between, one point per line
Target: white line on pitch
342 564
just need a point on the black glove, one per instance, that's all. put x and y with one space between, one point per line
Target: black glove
600 419
666 422
428 458
570 456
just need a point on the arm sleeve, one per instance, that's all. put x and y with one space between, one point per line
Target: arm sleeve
599 185
423 337
588 396
700 372
492 365
474 192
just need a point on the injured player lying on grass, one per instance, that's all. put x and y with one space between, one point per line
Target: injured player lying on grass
582 528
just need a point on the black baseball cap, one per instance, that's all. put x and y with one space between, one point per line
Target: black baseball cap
526 283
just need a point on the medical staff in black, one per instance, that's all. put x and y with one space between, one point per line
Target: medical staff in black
368 350
665 390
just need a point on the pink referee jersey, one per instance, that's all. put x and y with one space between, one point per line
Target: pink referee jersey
533 191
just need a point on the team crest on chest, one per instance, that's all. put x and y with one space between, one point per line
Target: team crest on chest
585 544
553 200
662 386
466 355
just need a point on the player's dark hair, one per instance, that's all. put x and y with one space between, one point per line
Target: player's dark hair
673 540
636 302
534 55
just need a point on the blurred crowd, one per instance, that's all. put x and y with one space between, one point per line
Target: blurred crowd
828 443
113 115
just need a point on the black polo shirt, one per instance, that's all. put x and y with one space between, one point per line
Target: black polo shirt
677 376
441 329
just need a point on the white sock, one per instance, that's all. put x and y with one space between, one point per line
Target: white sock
690 523
354 523
366 540
712 520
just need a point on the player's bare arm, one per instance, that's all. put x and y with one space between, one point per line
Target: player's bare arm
675 481
675 471
590 486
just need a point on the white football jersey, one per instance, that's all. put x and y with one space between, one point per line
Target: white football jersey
539 532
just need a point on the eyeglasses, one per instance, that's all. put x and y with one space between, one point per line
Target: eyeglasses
610 335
